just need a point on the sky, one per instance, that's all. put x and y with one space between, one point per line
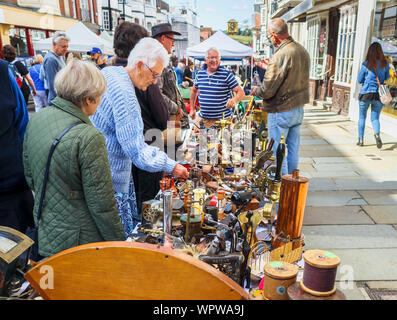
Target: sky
216 13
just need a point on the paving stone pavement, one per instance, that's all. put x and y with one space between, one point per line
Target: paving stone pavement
351 206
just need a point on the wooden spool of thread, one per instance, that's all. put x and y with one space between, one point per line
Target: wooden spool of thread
319 272
278 277
291 209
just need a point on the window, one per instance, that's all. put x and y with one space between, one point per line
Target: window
384 29
74 9
67 8
37 35
263 15
85 11
317 39
18 41
106 24
345 48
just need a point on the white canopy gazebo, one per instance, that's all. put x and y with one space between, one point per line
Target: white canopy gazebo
82 39
229 48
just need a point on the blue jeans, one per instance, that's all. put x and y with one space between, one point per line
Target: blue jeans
376 108
289 123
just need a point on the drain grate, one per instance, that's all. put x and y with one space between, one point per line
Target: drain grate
381 294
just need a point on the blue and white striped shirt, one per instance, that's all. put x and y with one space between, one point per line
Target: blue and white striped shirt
214 91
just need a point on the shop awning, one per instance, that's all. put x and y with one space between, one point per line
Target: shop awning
300 9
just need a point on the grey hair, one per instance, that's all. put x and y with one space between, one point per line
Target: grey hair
79 80
58 36
278 26
148 51
213 49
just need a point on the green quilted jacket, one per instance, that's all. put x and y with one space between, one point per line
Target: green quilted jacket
79 205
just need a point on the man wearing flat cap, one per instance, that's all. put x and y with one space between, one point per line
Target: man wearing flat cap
168 83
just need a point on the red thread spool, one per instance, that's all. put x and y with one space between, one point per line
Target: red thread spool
319 273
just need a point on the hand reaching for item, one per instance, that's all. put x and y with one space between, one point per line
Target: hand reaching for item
180 171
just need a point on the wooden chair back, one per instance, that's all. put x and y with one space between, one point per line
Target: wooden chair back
135 271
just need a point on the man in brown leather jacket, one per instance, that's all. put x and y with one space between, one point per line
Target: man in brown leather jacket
285 90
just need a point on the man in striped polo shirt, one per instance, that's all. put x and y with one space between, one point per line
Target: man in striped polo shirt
214 85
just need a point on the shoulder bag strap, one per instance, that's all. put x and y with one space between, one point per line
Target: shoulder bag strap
53 146
377 79
35 69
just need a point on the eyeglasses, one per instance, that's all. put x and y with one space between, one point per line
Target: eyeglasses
154 74
171 38
213 58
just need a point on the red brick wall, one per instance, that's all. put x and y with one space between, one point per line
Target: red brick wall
95 11
78 10
71 8
62 7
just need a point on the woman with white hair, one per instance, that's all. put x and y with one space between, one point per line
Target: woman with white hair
79 206
118 117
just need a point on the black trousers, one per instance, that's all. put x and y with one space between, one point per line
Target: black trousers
146 184
16 210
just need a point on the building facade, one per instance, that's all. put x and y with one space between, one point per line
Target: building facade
337 35
147 13
184 20
24 21
261 43
376 21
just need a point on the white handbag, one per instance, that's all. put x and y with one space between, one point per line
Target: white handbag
384 93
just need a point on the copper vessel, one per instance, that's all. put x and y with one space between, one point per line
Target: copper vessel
291 210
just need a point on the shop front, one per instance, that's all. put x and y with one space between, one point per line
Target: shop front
382 18
21 27
330 35
384 31
330 42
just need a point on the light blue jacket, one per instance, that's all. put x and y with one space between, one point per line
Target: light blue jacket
119 119
368 80
51 66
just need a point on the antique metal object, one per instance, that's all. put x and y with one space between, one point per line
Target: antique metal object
14 254
291 209
230 264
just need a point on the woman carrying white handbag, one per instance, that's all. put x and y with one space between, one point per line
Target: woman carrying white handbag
373 74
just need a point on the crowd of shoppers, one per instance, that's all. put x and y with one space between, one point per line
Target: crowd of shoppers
108 162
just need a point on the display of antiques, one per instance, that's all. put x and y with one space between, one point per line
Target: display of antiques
235 220
236 211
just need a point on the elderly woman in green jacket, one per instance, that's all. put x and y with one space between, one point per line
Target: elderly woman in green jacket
79 205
